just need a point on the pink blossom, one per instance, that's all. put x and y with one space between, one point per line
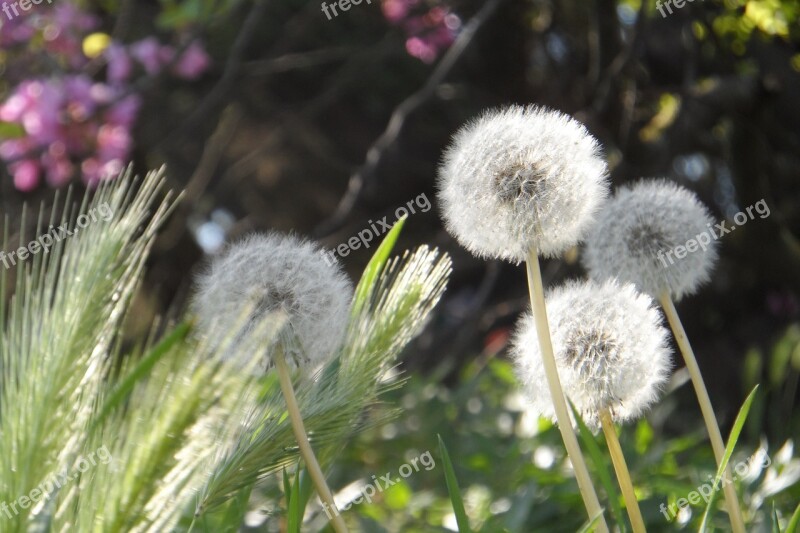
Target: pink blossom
113 142
14 107
420 49
58 169
166 54
119 63
124 112
26 174
78 101
15 31
13 149
41 118
148 53
63 28
428 33
67 15
193 62
397 10
95 170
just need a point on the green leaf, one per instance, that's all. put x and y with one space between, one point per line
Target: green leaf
794 523
11 130
589 525
294 517
734 437
601 469
237 510
376 266
287 487
453 490
140 371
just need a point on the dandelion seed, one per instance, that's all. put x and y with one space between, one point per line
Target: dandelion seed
638 232
269 273
610 346
519 178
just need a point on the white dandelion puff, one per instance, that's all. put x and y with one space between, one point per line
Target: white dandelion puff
268 274
610 348
519 178
638 232
279 276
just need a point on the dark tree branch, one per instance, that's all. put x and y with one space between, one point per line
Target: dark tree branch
378 149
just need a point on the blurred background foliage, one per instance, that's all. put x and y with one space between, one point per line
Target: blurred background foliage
281 118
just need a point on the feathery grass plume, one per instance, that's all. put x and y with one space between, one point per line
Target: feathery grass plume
181 428
59 332
521 177
520 182
635 240
636 235
265 273
613 360
611 350
171 413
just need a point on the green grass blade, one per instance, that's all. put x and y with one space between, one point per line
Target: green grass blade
375 266
237 510
601 469
140 371
294 517
287 487
589 526
794 522
453 490
306 489
734 437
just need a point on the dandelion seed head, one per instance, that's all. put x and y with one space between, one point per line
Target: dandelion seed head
519 177
268 274
610 346
637 233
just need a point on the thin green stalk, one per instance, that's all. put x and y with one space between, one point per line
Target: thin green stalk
623 474
301 436
718 445
539 309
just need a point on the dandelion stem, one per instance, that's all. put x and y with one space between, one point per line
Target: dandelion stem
302 441
731 499
539 309
623 474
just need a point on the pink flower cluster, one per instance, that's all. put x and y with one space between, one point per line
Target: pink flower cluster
70 123
154 58
430 28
